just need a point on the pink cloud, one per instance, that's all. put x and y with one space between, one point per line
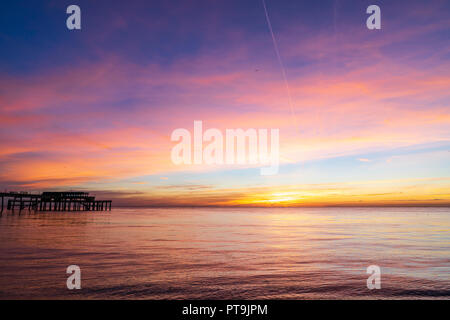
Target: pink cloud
114 119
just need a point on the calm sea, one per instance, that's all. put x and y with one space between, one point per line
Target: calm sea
298 253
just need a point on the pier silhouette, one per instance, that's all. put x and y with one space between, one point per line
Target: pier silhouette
53 201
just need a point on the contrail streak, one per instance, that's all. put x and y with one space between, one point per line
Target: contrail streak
283 70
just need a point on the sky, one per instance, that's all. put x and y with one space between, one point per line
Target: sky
363 115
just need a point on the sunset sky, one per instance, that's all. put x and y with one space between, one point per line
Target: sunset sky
368 122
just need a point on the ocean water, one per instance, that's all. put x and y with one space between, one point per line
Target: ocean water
227 253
